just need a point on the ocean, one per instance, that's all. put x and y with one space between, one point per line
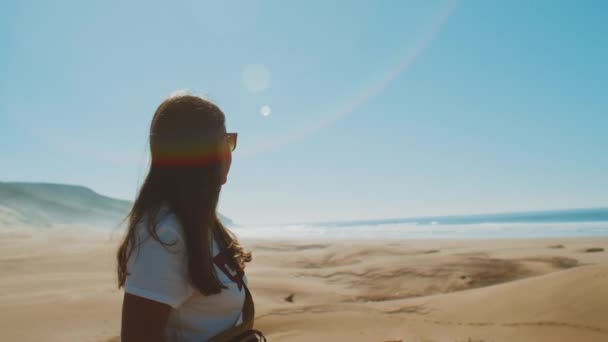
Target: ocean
540 224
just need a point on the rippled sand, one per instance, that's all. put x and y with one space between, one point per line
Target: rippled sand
60 286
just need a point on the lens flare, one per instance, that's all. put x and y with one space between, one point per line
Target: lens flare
372 91
255 78
265 110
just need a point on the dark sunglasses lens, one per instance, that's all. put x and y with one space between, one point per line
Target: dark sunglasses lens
231 138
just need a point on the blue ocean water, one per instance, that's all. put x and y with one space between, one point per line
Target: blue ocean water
559 223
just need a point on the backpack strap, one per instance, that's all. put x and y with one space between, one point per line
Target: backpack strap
248 307
233 333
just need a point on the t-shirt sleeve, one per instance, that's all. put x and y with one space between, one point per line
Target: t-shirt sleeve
159 272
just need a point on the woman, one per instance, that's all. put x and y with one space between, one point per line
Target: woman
181 269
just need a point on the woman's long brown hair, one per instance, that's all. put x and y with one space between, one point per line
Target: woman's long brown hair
185 175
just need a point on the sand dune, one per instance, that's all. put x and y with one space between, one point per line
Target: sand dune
59 286
518 290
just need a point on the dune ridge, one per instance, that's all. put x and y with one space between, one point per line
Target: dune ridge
533 293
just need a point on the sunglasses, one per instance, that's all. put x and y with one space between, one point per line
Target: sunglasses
231 140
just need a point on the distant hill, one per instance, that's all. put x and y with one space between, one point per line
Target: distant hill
45 204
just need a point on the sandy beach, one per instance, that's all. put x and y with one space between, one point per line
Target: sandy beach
60 286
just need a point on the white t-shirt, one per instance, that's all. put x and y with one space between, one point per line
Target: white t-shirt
161 274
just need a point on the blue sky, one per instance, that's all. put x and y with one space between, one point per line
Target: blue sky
378 108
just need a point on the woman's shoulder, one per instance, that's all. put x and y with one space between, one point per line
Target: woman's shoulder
165 224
